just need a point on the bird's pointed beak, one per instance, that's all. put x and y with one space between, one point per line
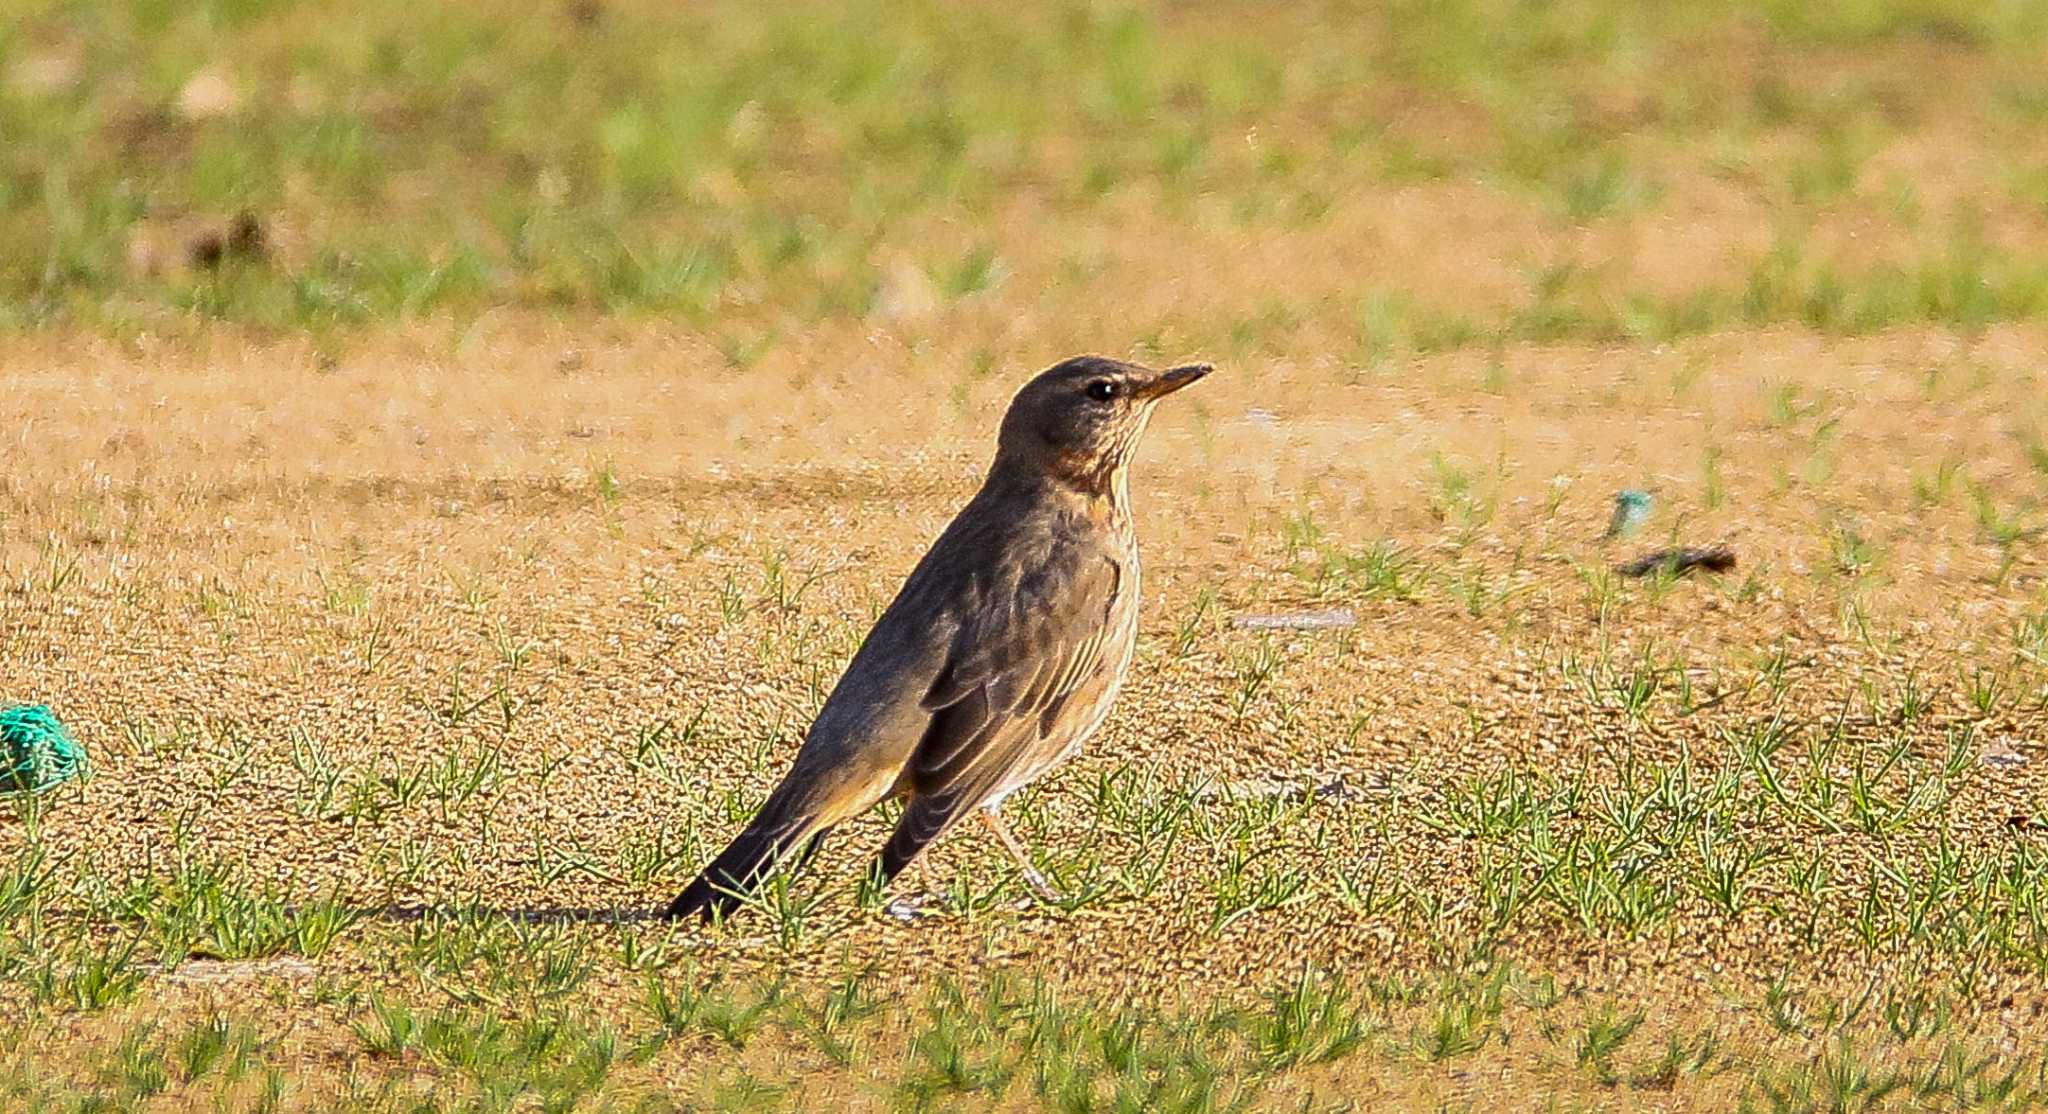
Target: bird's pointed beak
1173 379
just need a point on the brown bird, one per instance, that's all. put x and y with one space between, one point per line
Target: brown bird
1000 655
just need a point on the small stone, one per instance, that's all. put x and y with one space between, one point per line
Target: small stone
305 95
40 75
241 970
209 94
1336 789
2002 757
1297 620
906 294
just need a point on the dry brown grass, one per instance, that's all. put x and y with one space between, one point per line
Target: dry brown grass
258 545
428 634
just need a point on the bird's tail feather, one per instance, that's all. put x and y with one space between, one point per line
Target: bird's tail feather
739 870
924 821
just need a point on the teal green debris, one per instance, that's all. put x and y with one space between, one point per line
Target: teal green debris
40 754
1631 509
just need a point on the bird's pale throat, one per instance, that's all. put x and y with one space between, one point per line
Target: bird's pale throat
1102 470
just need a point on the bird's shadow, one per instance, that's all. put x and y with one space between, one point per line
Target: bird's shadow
526 914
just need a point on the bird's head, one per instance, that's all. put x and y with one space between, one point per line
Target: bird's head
1079 420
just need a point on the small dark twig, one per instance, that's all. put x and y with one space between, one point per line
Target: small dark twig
1680 560
243 238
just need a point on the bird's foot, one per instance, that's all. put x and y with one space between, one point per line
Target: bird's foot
1032 877
1044 890
913 908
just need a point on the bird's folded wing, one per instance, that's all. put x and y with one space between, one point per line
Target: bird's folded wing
1011 671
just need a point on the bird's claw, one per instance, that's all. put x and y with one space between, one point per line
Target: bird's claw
1043 890
909 910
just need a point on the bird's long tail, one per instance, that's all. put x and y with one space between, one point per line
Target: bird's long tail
739 870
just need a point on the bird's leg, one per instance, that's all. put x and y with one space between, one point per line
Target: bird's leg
921 903
1032 877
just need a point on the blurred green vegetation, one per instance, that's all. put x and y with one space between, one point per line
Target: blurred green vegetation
748 160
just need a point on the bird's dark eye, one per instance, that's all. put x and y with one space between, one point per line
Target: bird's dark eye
1102 390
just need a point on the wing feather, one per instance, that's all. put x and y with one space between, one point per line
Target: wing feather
1012 669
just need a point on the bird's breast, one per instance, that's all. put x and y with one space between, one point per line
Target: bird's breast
1096 692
